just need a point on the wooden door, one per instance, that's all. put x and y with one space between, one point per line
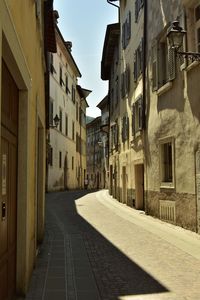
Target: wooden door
8 185
124 185
139 186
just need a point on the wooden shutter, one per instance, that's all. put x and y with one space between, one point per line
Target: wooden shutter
154 66
127 79
127 127
129 26
140 113
133 120
123 36
136 11
142 53
171 64
135 66
122 132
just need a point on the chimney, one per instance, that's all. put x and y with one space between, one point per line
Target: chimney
68 44
56 16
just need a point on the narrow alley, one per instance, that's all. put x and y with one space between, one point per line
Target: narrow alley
97 248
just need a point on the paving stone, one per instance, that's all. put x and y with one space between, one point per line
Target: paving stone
98 249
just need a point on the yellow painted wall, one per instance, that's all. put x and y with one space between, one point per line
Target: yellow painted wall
23 33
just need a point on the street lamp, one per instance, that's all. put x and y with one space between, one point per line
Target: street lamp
56 122
175 35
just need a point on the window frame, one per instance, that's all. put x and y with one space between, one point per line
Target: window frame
164 182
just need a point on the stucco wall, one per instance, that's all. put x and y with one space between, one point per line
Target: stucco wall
18 23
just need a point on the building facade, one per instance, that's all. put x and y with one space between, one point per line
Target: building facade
122 66
104 141
94 154
23 135
173 132
81 155
154 112
66 163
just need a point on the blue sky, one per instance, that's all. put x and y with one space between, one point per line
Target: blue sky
84 23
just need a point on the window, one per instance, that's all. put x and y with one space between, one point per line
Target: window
60 159
138 60
125 82
66 125
60 117
126 31
77 111
125 128
163 63
66 85
117 90
61 77
73 131
72 163
52 69
137 116
138 6
167 162
73 94
197 27
114 136
51 156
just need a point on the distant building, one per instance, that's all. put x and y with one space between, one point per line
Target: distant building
94 153
104 141
66 143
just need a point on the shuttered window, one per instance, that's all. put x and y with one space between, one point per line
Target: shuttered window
125 128
126 31
137 116
125 82
163 63
138 6
138 60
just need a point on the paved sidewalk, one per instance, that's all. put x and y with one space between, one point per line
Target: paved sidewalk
96 248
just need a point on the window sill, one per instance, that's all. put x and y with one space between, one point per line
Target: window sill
167 185
166 87
193 65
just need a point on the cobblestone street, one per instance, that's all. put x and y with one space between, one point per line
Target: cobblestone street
97 248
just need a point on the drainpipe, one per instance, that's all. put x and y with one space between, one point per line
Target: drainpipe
111 2
144 94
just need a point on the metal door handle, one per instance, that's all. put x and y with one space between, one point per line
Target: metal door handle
3 214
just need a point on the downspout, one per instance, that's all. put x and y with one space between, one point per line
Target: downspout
144 98
111 2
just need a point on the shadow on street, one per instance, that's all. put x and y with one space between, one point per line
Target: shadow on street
115 274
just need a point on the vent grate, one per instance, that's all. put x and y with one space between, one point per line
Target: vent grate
167 211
